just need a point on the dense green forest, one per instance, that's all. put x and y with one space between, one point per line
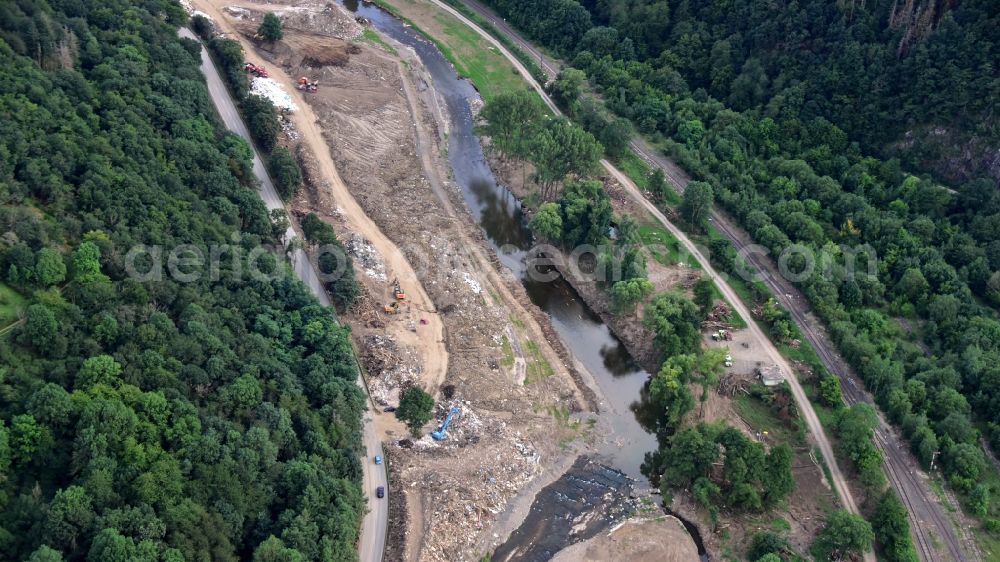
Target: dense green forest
917 80
216 419
783 139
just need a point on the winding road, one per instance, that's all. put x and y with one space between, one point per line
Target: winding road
373 527
936 537
839 483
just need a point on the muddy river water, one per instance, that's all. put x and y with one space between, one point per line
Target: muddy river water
620 379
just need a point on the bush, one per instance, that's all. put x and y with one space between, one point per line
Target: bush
285 172
262 121
202 27
228 54
270 28
345 286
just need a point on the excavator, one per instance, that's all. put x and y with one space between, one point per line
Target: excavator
398 295
441 433
397 291
306 85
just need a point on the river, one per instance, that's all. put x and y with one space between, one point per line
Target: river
499 214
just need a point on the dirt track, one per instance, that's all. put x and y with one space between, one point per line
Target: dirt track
375 168
435 356
928 519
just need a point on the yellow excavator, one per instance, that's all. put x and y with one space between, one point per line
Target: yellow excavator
399 295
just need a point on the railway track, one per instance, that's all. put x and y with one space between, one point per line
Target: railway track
923 511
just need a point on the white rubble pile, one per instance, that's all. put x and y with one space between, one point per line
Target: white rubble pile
366 257
238 12
319 17
323 18
476 105
268 88
471 281
289 128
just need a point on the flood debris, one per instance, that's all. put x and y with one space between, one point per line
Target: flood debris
366 257
268 88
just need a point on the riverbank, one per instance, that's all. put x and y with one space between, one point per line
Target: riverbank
803 513
376 115
625 324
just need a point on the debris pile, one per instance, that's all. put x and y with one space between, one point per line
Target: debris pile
327 20
468 499
390 367
268 88
690 278
720 318
476 105
471 281
366 257
315 18
288 128
733 383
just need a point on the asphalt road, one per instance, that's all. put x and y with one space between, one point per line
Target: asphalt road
809 415
373 527
929 524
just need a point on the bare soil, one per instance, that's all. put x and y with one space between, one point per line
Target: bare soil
374 117
663 539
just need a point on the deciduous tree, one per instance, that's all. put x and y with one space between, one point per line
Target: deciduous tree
416 408
697 203
270 28
844 535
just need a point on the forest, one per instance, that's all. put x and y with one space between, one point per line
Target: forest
153 420
789 115
914 80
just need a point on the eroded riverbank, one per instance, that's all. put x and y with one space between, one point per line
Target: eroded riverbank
623 441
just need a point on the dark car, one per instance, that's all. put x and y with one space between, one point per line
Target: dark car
380 491
389 409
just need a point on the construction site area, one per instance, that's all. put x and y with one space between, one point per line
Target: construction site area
438 309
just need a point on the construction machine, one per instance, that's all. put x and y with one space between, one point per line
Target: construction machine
722 335
259 71
392 308
306 85
397 291
441 433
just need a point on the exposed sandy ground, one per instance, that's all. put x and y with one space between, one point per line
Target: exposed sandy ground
805 508
655 540
430 343
397 195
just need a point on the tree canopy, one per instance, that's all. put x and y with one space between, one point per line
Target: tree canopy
270 28
416 408
145 417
